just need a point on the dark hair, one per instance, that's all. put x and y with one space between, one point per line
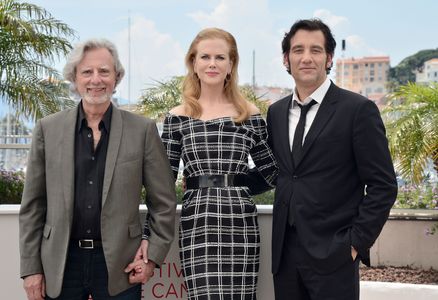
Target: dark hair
310 25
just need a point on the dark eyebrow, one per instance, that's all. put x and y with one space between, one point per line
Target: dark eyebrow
317 47
297 47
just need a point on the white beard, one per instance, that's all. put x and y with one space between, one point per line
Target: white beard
96 99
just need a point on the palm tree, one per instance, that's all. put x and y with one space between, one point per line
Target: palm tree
30 40
412 125
157 100
251 96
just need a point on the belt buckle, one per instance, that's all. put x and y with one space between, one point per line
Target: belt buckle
86 244
225 179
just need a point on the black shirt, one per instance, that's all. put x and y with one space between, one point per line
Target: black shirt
89 173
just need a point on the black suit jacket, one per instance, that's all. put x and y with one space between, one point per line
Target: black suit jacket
343 187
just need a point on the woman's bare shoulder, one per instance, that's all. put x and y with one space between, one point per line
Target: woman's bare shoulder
178 110
253 110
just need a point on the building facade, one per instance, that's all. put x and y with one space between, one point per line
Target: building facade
367 76
429 72
271 94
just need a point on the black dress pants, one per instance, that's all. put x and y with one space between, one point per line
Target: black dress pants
297 280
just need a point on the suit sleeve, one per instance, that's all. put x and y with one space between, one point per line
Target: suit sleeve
376 172
33 207
160 196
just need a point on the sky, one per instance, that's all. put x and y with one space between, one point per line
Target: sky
162 30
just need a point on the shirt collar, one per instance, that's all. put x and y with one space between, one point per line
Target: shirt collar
104 123
318 95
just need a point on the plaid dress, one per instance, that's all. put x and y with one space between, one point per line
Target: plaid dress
219 235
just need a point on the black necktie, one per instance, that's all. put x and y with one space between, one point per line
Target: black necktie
297 145
297 148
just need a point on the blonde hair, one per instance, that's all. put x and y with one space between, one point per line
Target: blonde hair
191 89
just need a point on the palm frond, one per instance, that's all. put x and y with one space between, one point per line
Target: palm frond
160 97
30 41
412 127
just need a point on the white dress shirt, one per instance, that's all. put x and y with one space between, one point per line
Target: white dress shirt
294 111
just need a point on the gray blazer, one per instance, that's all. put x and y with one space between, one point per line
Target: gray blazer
135 157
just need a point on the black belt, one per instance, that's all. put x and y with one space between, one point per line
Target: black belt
223 180
86 244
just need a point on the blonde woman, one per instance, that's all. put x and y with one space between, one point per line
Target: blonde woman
213 132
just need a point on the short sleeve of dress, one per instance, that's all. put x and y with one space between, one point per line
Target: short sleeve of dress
171 138
261 153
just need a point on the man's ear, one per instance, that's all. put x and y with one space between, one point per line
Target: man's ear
286 62
329 61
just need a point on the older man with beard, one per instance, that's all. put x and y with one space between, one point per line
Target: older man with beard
79 218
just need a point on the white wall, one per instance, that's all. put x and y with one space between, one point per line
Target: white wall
401 243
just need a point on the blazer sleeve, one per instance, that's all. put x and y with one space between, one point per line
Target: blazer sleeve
160 196
33 207
376 171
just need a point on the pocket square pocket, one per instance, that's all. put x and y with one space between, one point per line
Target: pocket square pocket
47 230
134 230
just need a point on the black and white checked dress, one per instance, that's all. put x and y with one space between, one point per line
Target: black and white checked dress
219 234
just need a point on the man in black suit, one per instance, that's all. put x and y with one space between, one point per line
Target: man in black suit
336 183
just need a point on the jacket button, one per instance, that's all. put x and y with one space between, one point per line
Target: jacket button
295 177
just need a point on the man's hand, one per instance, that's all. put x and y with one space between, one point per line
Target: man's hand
35 287
142 252
141 269
353 253
140 272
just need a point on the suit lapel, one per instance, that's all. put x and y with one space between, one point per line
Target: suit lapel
325 112
68 160
113 150
283 122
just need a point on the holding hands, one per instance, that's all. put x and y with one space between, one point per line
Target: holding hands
141 269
